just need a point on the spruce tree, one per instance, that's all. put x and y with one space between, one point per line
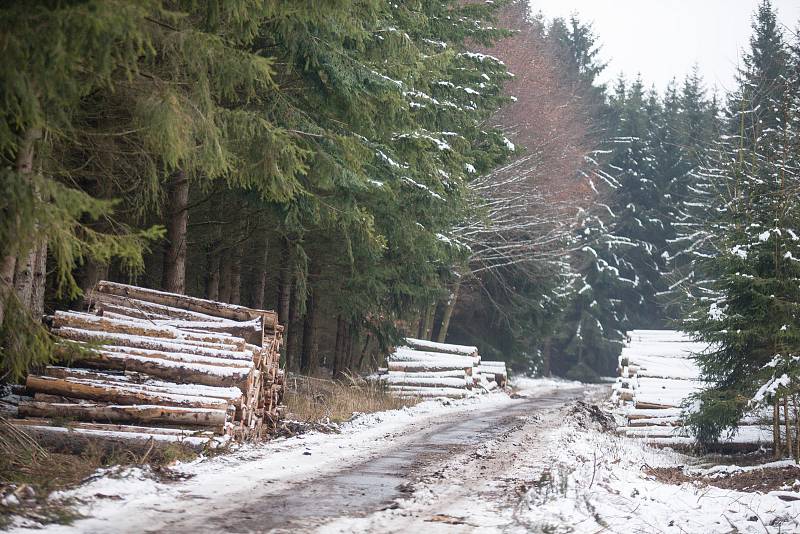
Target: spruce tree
746 307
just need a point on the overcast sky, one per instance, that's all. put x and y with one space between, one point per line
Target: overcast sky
662 39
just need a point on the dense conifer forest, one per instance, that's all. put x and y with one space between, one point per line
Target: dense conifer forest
450 170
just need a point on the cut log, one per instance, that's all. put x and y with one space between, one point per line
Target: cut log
117 394
427 382
208 307
250 331
144 382
179 372
180 415
171 356
429 392
455 373
431 346
102 302
142 328
160 430
77 439
404 354
426 366
124 340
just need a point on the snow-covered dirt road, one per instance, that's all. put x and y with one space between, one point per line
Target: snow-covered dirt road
310 480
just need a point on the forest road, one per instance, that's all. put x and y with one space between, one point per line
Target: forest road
445 448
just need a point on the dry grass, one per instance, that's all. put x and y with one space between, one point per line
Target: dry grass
30 471
314 399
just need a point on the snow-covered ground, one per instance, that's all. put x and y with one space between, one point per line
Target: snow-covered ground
132 500
547 465
561 473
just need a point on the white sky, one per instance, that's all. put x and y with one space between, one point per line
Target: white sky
662 39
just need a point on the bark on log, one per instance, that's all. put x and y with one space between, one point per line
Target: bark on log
441 348
427 382
179 372
404 354
98 391
127 413
426 366
252 332
211 350
140 381
455 373
429 392
184 303
132 327
157 430
76 440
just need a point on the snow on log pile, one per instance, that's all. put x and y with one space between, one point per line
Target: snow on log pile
150 365
424 368
657 375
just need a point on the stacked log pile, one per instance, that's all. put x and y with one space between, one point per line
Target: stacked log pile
494 373
154 365
427 369
657 375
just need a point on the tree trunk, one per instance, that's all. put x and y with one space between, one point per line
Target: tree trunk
796 429
788 423
236 274
294 337
448 313
212 271
338 354
8 265
776 428
412 329
261 282
309 360
7 268
93 273
174 274
547 349
39 280
23 277
285 283
364 351
226 276
430 314
350 340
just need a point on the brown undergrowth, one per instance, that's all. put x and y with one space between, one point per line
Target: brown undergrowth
312 400
30 470
758 480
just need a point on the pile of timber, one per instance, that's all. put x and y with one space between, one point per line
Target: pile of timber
424 368
657 375
150 365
